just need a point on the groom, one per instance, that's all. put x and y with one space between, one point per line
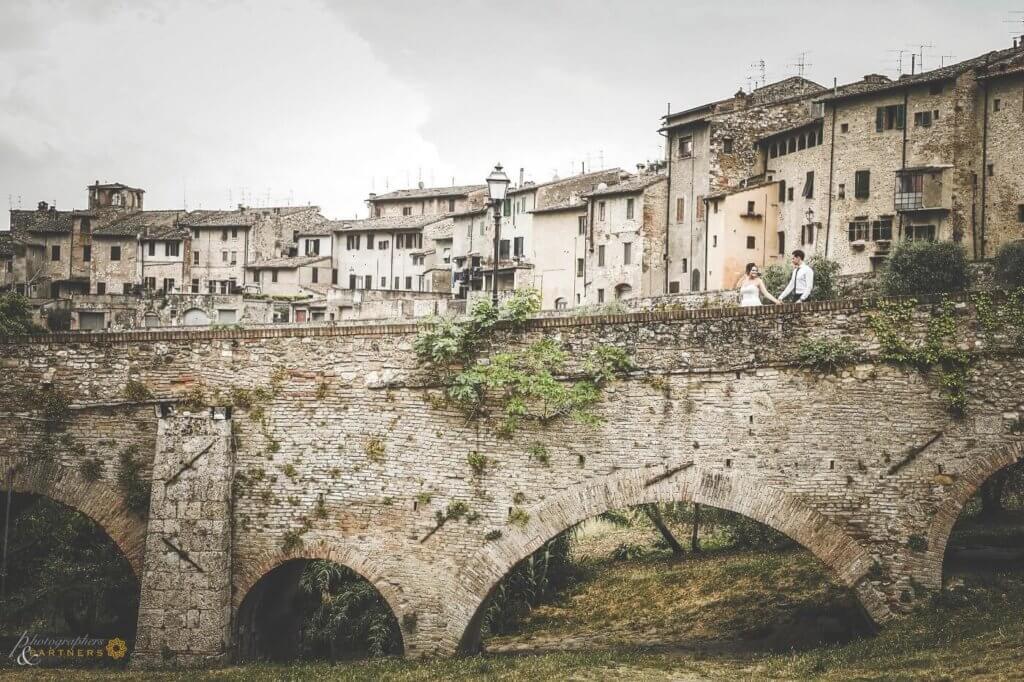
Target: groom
801 283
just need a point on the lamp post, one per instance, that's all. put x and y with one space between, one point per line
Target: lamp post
497 186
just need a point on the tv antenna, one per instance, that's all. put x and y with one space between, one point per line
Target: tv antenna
943 58
801 64
762 70
899 60
919 55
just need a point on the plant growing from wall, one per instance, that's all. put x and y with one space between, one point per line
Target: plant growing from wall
374 449
518 517
478 463
136 391
91 469
527 384
826 355
129 480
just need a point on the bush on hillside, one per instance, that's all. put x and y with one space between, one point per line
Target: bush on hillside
1010 265
923 268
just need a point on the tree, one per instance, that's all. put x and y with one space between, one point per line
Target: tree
654 514
16 315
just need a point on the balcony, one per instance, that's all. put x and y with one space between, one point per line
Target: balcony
922 189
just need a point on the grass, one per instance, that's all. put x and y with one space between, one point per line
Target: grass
632 616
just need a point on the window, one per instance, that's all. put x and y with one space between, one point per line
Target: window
582 220
844 128
256 276
369 242
408 283
224 235
211 286
858 231
579 267
101 288
782 243
352 281
600 210
352 242
400 241
751 242
727 145
195 258
686 265
600 295
841 192
382 244
334 276
149 283
396 283
115 253
791 146
195 286
862 184
86 253
451 205
376 211
506 207
680 209
168 285
997 104
561 304
627 253
1020 213
629 208
881 230
789 194
808 192
714 240
234 258
685 147
407 210
503 249
782 191
195 233
234 234
225 286
889 118
991 170
801 142
223 256
84 226
751 206
922 119
807 234
316 275
368 282
173 249
383 282
151 249
909 191
55 252
673 287
126 289
773 151
517 247
600 256
919 233
312 247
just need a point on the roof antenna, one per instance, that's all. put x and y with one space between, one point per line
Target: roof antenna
801 64
920 56
943 58
760 66
899 61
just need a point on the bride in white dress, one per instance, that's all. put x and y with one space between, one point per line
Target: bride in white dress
752 287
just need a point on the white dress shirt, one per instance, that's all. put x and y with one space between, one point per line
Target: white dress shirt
802 281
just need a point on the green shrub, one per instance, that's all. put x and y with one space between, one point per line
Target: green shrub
136 391
16 315
826 272
1010 265
826 355
776 277
923 268
130 481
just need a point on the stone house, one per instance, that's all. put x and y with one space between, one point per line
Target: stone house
560 249
424 201
437 254
6 261
712 148
382 253
625 240
743 227
291 276
141 249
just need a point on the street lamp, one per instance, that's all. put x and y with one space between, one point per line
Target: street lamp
810 216
497 187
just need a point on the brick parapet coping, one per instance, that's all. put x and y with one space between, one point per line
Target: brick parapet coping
334 330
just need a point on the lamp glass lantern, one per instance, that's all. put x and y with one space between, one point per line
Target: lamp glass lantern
497 184
810 216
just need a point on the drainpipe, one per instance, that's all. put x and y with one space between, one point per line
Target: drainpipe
764 231
668 198
984 164
707 217
391 256
832 167
906 127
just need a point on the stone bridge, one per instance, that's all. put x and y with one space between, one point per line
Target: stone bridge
262 446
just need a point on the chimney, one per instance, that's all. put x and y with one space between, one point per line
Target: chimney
373 195
42 206
520 177
420 184
241 208
640 168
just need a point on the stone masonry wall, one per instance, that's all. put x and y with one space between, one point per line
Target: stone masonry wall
349 453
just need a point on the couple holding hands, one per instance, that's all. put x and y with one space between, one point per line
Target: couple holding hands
801 283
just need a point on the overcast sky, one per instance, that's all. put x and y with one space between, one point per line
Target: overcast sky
321 101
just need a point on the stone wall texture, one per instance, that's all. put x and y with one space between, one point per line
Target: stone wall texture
347 454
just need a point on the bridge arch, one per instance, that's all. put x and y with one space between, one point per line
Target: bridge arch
254 568
97 500
964 486
732 491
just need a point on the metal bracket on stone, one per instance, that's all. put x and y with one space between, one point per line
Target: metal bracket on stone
188 465
182 554
914 452
664 476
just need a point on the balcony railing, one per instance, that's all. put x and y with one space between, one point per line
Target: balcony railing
909 201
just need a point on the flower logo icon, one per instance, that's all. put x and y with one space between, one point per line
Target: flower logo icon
116 648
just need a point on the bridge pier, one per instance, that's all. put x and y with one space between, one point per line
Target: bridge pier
185 607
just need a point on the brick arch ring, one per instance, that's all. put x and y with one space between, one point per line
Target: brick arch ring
253 568
97 500
964 487
476 581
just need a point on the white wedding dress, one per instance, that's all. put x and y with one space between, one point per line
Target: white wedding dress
750 295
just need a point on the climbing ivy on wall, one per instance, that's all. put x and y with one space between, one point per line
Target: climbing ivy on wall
526 384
